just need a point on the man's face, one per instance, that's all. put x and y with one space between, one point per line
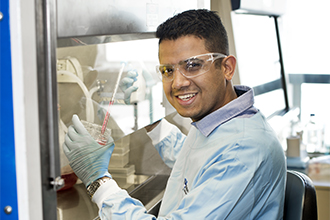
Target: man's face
192 97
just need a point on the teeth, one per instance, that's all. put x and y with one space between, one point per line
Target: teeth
186 97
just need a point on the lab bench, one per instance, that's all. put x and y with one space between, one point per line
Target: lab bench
74 203
322 187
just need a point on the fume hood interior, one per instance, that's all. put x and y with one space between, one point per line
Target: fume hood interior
86 78
105 41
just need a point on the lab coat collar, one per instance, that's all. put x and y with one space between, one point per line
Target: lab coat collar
241 107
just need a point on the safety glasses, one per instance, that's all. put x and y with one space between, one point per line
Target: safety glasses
191 67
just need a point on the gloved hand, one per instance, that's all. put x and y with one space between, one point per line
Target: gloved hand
88 159
126 85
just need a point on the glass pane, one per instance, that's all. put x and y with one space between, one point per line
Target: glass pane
88 77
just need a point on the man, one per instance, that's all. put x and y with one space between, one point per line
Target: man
230 165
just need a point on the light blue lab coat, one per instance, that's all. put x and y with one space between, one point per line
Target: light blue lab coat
238 172
234 169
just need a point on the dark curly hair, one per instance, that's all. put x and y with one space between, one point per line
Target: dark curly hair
201 23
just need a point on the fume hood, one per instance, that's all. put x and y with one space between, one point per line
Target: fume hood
98 43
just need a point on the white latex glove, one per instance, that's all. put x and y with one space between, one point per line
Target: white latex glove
88 159
126 85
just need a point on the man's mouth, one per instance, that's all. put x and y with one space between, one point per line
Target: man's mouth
186 97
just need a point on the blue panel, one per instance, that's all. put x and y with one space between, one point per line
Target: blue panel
8 191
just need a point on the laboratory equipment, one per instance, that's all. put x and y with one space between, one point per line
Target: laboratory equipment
297 158
293 146
96 132
106 118
313 135
81 148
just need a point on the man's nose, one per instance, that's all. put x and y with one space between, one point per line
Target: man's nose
179 80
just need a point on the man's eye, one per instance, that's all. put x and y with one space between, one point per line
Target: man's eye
166 71
194 65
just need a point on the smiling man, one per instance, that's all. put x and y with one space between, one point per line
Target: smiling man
229 166
202 91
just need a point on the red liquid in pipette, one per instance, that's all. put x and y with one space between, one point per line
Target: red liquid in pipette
102 139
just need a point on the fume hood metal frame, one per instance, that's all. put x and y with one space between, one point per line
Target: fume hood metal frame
47 95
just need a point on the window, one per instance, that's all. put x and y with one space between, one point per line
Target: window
259 61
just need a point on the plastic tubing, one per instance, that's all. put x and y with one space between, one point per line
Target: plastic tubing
93 90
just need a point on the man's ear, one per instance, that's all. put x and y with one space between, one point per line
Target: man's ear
229 64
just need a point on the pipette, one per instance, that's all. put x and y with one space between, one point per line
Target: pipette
102 139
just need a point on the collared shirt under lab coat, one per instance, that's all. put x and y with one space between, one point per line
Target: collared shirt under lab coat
230 166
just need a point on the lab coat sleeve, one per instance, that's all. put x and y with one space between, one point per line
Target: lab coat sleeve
115 203
168 141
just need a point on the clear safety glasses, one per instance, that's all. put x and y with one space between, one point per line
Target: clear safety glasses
191 67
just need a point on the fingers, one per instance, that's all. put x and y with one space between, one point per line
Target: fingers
66 149
78 126
132 74
130 78
129 91
72 134
68 141
127 82
69 138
